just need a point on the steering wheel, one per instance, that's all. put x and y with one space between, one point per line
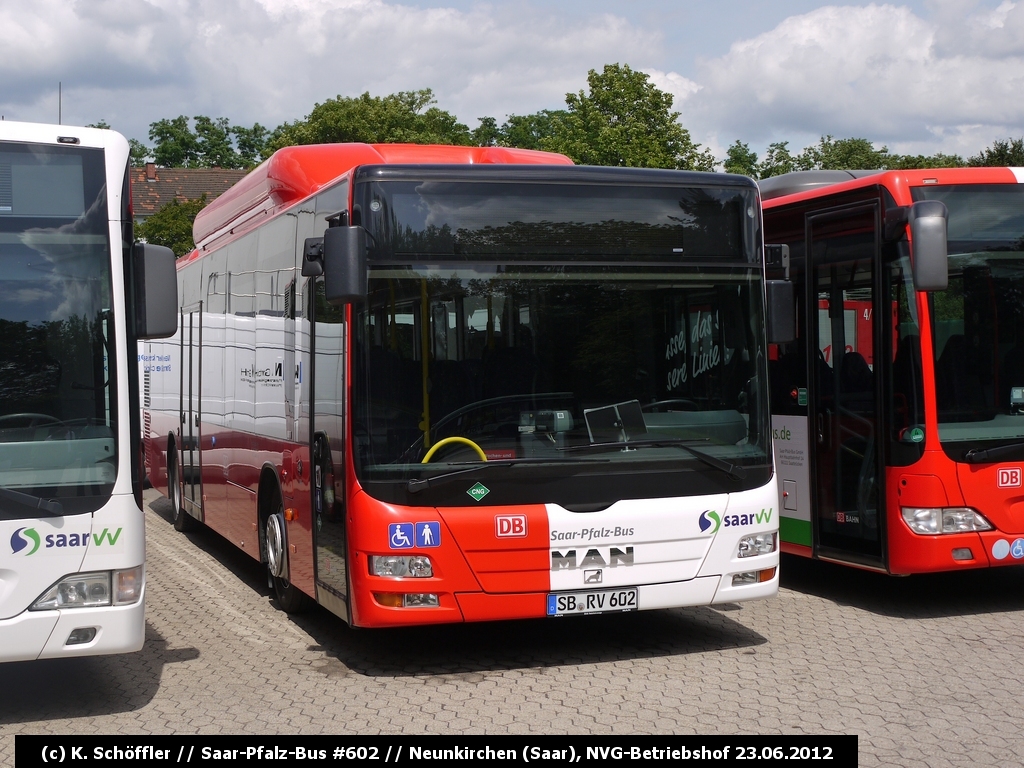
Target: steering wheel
33 419
663 405
448 441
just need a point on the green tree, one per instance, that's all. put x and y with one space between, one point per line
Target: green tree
912 162
406 117
138 153
214 147
624 120
250 143
175 145
487 134
842 155
172 225
210 145
740 159
777 161
520 131
1002 152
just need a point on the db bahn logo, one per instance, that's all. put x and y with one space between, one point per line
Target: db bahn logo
510 526
1009 478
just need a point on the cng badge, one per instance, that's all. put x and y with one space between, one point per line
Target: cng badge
478 491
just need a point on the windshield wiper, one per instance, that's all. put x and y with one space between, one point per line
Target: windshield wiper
51 506
980 455
732 470
415 486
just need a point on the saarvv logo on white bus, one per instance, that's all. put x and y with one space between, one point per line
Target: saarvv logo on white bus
27 541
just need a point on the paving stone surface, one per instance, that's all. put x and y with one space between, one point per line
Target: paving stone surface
926 670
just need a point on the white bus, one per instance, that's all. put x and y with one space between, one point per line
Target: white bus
73 303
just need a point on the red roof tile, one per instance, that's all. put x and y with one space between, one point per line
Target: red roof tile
149 196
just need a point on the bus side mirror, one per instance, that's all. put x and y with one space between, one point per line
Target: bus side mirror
928 219
781 298
313 257
156 291
344 264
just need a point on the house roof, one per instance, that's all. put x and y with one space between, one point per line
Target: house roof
153 187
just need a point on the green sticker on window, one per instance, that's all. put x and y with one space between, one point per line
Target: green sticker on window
478 492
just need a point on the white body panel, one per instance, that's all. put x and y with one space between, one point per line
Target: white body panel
679 552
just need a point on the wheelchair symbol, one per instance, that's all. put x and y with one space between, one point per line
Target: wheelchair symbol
1017 549
400 535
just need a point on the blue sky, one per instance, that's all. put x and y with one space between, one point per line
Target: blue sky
924 76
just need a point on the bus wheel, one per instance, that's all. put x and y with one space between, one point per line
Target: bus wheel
289 597
183 521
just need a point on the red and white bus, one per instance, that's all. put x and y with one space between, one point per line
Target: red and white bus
431 384
903 395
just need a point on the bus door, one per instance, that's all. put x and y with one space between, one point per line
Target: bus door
327 401
191 413
845 405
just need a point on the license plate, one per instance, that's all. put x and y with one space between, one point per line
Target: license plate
601 601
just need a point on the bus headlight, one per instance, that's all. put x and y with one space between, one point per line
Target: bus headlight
933 521
756 544
398 566
82 590
90 590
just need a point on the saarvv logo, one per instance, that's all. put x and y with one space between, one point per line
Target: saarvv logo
709 521
21 538
27 541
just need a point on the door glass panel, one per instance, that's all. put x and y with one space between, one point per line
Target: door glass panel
846 416
329 441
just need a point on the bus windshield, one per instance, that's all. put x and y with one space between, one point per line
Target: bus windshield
979 319
519 340
57 403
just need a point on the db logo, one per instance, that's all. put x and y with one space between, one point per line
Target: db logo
510 526
1009 478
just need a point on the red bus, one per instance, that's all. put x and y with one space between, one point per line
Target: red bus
430 384
903 394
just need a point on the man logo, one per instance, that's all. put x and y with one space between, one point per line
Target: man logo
1009 478
510 526
709 521
594 557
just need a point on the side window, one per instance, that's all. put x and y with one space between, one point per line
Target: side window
905 388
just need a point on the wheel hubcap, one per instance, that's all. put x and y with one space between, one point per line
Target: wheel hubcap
275 545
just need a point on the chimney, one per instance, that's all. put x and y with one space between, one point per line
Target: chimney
150 171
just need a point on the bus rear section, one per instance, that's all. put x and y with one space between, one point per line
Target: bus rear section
72 531
515 389
902 398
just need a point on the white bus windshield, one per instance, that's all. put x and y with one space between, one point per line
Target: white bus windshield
57 408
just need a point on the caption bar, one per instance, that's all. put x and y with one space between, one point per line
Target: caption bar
585 751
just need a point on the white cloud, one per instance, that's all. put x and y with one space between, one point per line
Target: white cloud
879 72
272 60
948 81
681 88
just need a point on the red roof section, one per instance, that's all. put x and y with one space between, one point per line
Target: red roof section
294 173
153 187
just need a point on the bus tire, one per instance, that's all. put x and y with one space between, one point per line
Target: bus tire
183 521
289 597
